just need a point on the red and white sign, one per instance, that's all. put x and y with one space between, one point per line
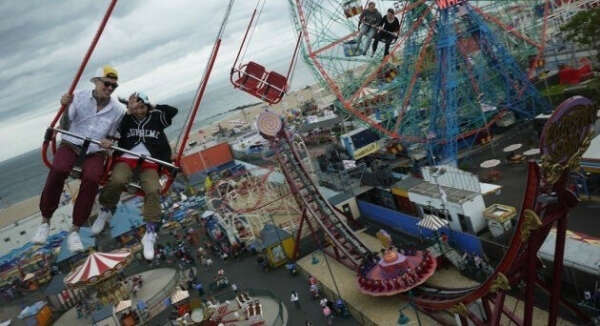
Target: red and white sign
443 4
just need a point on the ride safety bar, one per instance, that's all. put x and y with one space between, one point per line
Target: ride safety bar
173 169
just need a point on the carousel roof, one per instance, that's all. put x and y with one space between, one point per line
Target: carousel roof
96 265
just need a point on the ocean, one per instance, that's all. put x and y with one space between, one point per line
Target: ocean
23 176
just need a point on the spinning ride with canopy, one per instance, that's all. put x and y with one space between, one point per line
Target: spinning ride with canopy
100 270
455 68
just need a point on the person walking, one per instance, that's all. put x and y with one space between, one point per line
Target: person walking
295 299
200 288
328 315
90 113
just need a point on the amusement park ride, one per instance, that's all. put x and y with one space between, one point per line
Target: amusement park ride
456 67
548 199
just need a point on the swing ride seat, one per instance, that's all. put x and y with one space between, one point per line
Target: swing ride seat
251 77
167 169
134 187
273 88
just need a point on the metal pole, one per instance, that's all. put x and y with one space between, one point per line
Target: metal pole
561 229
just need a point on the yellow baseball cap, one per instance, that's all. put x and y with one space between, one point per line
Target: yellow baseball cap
106 72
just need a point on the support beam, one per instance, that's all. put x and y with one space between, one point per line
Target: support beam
559 252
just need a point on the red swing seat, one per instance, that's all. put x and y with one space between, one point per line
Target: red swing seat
273 88
250 77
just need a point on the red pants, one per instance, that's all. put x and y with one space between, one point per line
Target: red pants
92 171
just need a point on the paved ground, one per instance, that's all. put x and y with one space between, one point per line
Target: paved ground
514 177
245 272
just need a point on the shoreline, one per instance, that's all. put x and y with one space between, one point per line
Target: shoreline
248 112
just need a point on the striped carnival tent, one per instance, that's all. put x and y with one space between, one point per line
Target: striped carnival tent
97 267
432 222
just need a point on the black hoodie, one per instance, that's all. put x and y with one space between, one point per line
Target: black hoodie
149 131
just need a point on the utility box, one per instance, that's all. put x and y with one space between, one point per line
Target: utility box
499 218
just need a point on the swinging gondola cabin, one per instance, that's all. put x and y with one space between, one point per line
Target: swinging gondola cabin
166 169
253 78
352 8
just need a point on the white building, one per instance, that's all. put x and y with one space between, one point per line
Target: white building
450 193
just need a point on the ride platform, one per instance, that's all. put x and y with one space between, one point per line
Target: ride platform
385 311
158 284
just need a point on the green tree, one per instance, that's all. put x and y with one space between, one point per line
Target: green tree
584 28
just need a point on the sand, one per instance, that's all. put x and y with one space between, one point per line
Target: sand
29 207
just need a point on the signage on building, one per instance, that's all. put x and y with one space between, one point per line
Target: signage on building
366 150
443 4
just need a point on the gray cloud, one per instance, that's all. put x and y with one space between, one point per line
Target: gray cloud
159 46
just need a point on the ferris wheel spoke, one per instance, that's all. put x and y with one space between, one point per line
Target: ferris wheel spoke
413 79
540 53
505 27
334 43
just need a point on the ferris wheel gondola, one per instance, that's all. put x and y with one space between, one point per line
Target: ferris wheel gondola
451 61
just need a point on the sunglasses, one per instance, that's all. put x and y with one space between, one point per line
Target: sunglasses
110 84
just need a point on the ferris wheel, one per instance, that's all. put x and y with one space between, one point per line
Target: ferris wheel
454 66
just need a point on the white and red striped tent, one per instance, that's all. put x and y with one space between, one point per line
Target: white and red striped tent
98 266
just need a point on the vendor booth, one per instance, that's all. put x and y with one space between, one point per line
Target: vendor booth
500 218
276 244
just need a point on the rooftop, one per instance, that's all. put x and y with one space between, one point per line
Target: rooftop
453 195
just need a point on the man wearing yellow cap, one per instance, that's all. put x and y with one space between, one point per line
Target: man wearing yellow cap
94 114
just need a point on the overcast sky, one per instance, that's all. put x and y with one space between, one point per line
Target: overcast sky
157 46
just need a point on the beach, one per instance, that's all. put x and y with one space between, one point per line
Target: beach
25 175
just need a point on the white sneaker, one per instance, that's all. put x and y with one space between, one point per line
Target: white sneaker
74 242
41 235
100 222
148 241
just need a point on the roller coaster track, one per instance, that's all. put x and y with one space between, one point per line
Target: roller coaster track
551 202
347 246
426 297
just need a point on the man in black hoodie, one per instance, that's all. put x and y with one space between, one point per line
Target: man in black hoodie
388 31
142 132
